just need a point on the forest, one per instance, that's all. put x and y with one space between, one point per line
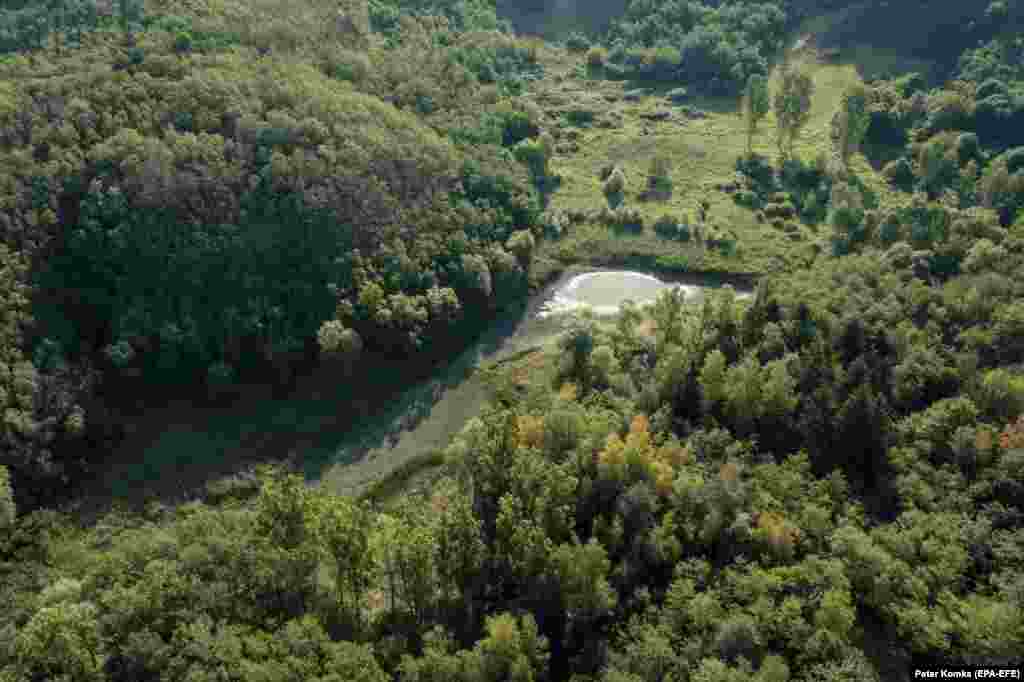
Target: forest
823 481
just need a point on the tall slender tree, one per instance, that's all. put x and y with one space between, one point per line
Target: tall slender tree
756 104
851 121
792 106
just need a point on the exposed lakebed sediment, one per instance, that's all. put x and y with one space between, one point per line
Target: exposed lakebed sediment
176 449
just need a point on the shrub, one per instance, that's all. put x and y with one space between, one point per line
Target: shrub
1015 159
967 147
521 244
990 87
949 110
534 154
596 57
580 117
616 182
659 179
748 199
677 95
668 227
577 42
628 219
909 84
183 42
900 173
759 170
516 126
562 431
677 262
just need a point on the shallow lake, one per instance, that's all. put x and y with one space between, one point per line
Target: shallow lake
175 449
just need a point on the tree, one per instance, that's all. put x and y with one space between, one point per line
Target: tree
756 104
7 509
61 643
514 650
459 547
343 529
130 12
792 106
851 121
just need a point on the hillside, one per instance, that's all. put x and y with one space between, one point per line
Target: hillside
206 204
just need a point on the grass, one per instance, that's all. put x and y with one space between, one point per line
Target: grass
702 153
402 479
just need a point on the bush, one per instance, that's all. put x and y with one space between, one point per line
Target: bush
676 262
759 170
521 244
516 126
577 42
562 431
909 84
659 179
616 182
596 57
968 147
890 230
990 87
1015 159
534 154
580 117
183 42
678 95
668 227
346 65
624 219
900 173
748 199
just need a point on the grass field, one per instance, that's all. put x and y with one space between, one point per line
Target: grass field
702 153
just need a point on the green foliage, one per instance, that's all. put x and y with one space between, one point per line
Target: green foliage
577 42
719 490
792 106
7 509
852 121
900 173
669 227
714 49
659 179
31 26
499 63
756 105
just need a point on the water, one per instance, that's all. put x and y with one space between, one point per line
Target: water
604 292
355 464
176 449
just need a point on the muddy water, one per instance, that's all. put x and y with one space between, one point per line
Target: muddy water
174 450
358 461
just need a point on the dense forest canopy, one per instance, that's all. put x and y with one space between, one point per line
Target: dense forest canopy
825 481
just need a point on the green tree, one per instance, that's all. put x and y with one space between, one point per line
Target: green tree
583 574
343 528
129 13
851 121
459 549
756 105
7 509
513 650
792 106
405 547
61 643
